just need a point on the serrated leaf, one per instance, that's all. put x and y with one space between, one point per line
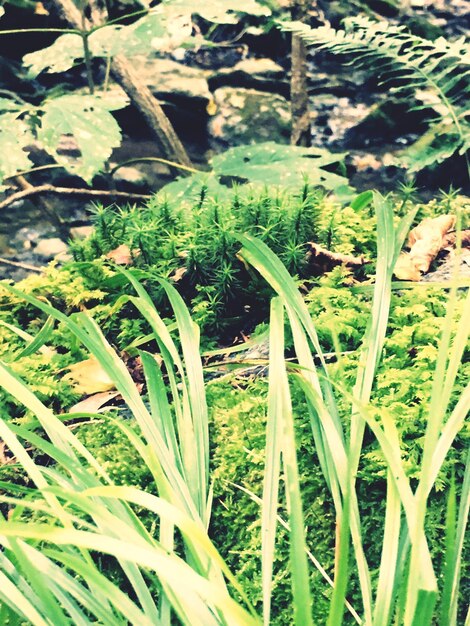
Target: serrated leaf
59 57
89 121
108 41
216 11
276 164
14 136
128 40
433 147
189 188
6 104
89 377
139 37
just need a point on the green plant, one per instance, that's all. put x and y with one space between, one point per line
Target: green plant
269 165
191 244
86 513
435 72
87 116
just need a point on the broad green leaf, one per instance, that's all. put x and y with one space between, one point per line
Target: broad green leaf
6 104
217 11
67 50
189 188
156 29
89 120
63 54
276 164
15 135
144 34
433 147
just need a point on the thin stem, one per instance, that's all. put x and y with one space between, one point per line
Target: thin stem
92 193
107 73
87 57
13 96
39 168
117 20
23 266
158 160
21 31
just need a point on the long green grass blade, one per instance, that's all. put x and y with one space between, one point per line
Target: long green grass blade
280 401
272 470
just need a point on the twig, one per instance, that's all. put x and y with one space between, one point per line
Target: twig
47 207
23 266
63 191
193 170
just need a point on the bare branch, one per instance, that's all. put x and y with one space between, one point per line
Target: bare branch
23 266
70 191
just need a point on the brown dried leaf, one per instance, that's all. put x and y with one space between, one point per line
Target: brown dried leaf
94 403
122 255
40 9
88 377
405 269
178 274
425 242
365 162
431 228
321 260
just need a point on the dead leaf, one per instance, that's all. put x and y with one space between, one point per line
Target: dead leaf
122 255
431 228
405 269
94 403
89 377
178 274
425 242
320 260
40 9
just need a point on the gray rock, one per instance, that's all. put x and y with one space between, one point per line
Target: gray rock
262 74
51 248
173 81
131 179
245 116
81 232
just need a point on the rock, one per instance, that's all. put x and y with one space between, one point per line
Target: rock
245 116
262 74
331 117
51 248
173 81
81 232
211 58
131 179
387 121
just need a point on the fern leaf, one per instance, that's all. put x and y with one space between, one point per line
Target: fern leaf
440 69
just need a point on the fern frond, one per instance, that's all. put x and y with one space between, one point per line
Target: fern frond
438 72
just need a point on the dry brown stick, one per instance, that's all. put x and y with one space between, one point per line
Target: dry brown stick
22 266
300 133
47 208
139 94
58 191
